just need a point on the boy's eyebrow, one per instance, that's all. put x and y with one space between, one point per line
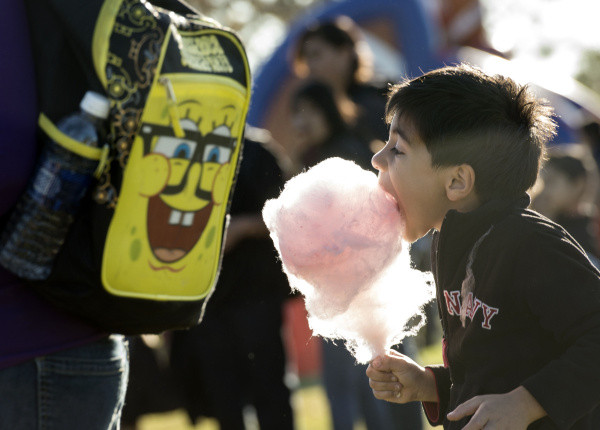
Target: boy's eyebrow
402 134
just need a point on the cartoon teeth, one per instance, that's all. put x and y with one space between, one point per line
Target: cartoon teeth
186 219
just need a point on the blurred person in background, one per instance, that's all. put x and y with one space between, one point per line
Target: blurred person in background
56 370
152 388
235 359
335 54
567 194
319 130
320 133
590 136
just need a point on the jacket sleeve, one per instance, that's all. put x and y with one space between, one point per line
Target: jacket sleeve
562 290
436 411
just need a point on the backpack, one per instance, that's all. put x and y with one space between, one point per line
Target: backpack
144 251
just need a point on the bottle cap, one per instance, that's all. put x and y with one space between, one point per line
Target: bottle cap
95 104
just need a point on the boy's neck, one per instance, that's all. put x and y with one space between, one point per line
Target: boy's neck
467 204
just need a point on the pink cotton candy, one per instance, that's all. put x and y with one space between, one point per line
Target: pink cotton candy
339 237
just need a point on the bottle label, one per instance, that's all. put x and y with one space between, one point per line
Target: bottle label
59 187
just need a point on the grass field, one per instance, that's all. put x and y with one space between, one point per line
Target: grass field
310 405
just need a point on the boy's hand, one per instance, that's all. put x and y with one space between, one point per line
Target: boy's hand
511 411
396 378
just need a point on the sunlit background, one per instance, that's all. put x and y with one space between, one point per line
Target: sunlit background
563 34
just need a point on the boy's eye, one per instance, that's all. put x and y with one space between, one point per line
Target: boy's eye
396 151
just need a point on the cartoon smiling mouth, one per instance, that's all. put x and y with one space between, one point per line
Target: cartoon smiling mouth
173 233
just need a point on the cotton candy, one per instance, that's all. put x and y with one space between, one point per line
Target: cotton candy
339 237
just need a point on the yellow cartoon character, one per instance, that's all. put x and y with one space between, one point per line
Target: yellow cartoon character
167 229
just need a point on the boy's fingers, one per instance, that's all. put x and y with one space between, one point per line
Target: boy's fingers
385 386
374 375
383 394
478 422
394 354
390 396
376 363
371 372
393 361
465 409
380 376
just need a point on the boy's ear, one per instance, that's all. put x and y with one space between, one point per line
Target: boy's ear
460 183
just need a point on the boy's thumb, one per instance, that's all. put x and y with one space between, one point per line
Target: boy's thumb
377 362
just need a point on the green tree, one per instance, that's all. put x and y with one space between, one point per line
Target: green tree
589 71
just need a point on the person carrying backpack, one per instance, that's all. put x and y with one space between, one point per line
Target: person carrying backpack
63 359
55 369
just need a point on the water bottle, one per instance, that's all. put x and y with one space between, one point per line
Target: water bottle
40 221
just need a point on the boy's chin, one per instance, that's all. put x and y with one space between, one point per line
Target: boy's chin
412 236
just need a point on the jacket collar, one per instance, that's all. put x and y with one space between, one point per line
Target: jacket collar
460 230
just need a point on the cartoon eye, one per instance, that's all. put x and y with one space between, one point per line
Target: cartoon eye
213 155
222 130
173 147
183 151
216 154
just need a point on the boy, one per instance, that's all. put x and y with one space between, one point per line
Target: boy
519 302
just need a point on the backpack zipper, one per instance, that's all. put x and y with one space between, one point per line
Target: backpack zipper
172 106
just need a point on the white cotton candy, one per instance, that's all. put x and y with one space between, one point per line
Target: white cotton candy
339 237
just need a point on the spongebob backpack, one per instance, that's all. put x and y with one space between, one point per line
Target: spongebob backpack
144 252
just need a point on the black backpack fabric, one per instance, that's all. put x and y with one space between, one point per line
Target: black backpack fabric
145 249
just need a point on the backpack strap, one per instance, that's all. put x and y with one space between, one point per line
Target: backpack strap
127 47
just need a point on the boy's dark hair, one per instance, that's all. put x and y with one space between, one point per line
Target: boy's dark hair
489 122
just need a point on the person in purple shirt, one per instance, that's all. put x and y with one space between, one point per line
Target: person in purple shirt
56 371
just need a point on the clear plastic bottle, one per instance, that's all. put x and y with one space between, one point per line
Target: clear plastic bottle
41 219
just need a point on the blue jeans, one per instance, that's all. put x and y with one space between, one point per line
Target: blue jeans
79 388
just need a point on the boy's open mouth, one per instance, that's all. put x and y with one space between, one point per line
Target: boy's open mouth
391 198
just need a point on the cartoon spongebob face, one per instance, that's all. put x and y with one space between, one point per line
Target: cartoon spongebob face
178 215
172 205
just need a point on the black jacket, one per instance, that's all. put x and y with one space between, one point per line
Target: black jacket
533 318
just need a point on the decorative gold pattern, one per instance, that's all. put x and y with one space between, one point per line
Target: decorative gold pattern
136 41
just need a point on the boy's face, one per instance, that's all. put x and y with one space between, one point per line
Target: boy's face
406 173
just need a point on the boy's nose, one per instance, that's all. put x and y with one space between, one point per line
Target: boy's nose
378 160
